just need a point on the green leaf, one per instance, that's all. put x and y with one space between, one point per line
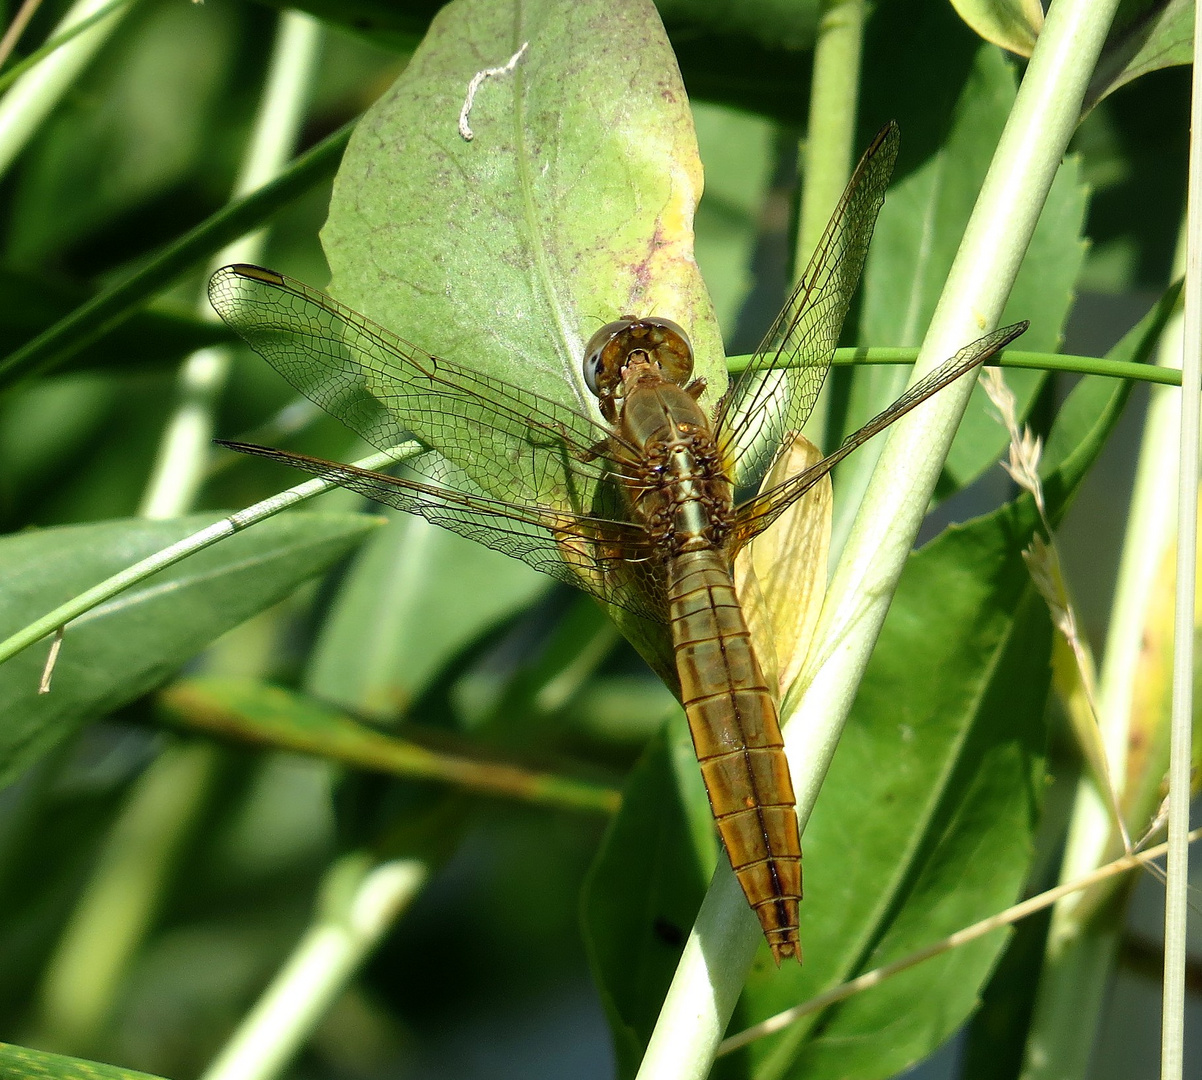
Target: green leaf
1147 35
572 204
269 715
1081 429
1012 24
128 646
965 632
416 596
645 886
22 1063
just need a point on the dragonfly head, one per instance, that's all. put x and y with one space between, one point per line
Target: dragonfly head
631 343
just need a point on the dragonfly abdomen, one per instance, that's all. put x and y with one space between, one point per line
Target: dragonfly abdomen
733 720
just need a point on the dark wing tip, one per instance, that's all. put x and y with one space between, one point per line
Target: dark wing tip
252 448
1003 336
219 283
891 131
255 273
885 145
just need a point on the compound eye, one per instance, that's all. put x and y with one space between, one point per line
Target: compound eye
671 328
673 351
599 380
592 368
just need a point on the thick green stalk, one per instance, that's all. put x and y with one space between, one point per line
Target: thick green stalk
1029 153
829 146
1176 909
831 126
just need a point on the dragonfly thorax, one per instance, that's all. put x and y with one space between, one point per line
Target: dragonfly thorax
687 503
678 486
628 343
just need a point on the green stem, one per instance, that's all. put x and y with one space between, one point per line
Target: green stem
1010 358
107 589
697 1007
829 146
831 126
361 902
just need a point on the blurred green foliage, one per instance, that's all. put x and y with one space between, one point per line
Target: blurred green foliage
432 638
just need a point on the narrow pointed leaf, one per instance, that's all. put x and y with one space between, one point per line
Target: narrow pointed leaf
257 712
122 649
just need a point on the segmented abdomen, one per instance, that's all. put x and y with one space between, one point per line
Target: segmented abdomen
733 720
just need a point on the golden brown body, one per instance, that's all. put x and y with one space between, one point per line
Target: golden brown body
678 487
733 721
546 482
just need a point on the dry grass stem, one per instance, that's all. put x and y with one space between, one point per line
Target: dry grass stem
1043 563
962 937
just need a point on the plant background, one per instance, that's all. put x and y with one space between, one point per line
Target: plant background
487 973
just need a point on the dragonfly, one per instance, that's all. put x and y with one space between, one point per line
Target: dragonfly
639 503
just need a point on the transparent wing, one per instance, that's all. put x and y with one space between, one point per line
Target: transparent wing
777 391
756 514
518 446
613 560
